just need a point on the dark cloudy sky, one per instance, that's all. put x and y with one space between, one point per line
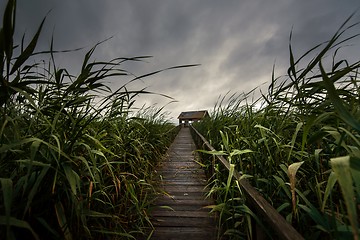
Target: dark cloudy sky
235 41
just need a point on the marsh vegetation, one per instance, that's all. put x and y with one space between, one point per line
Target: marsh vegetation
77 159
300 149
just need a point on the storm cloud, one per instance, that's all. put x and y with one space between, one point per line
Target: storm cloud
236 43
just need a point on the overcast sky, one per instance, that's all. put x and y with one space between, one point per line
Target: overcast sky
235 41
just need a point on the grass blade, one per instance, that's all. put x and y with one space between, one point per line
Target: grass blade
7 191
341 167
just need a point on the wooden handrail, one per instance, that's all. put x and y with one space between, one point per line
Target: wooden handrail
259 205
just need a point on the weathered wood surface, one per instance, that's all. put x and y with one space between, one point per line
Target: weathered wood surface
180 212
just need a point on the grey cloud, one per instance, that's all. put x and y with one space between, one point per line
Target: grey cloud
236 42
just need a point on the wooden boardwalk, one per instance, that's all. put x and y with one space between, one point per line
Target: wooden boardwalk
179 212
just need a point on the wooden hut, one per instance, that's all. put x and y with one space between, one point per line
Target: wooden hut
186 118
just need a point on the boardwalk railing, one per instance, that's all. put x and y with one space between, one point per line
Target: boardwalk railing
255 201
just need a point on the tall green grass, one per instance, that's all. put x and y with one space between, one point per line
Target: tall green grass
76 159
303 145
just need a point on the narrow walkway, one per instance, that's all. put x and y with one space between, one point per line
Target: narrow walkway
179 212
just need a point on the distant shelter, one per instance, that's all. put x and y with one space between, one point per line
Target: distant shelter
186 118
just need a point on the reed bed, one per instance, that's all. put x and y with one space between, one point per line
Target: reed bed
76 158
300 149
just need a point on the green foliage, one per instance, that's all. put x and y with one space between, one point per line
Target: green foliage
74 161
346 176
308 119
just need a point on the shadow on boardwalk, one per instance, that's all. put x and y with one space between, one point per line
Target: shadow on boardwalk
179 212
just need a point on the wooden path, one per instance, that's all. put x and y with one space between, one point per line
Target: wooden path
183 182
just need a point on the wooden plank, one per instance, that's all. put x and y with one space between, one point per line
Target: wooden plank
175 206
181 162
190 196
173 167
191 174
185 201
184 236
181 175
199 175
180 169
184 182
182 193
177 231
164 221
188 182
185 214
184 188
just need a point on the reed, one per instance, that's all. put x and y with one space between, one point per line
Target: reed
302 145
76 158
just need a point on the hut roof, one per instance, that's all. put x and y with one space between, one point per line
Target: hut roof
193 114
